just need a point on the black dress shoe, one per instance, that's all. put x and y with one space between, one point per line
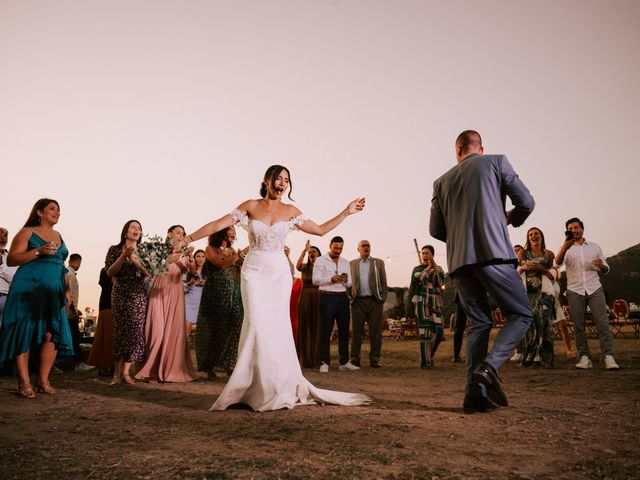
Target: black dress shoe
477 404
375 365
456 360
476 400
486 375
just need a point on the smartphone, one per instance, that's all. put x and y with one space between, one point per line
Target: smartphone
568 234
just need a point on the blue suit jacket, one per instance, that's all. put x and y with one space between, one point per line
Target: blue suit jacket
468 210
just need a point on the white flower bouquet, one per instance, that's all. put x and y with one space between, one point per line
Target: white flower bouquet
154 254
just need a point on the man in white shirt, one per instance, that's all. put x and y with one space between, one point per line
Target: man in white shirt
6 272
75 260
331 274
584 260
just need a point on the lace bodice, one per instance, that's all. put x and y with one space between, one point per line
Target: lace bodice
269 238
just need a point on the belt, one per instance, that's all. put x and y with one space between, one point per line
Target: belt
365 296
3 294
341 294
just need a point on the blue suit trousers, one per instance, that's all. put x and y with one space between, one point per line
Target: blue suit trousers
505 286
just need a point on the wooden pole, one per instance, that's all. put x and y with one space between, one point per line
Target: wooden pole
415 242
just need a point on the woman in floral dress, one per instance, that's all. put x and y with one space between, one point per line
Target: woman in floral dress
220 314
128 301
536 265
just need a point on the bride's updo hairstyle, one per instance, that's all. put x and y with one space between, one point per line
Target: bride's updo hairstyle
271 175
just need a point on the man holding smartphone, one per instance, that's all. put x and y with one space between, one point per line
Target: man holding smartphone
584 260
331 274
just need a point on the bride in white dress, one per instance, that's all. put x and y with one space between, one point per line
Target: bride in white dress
267 375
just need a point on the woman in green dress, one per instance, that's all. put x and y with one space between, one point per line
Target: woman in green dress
35 317
220 314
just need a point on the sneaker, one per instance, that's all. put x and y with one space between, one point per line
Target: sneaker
517 357
324 368
83 367
584 363
348 366
610 363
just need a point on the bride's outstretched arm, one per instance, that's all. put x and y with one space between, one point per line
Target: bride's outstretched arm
219 224
309 226
210 228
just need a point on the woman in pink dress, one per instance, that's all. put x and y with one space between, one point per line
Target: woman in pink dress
167 353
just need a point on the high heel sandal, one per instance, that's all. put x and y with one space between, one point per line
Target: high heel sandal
45 387
127 379
116 380
25 390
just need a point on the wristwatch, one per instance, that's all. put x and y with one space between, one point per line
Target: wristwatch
37 253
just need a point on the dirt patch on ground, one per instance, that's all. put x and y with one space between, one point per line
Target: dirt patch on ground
562 423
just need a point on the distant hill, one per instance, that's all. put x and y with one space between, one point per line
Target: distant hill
623 281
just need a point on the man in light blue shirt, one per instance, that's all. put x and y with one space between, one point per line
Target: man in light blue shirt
368 294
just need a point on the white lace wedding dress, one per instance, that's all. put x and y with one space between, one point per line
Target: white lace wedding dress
267 375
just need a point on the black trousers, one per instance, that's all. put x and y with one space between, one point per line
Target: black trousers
74 326
334 308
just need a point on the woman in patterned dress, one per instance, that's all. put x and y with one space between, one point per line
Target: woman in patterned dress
220 314
309 321
128 301
536 265
425 305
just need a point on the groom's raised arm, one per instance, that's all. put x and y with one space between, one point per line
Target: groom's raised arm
518 193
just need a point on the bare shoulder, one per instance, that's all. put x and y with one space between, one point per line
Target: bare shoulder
550 254
23 233
292 210
247 205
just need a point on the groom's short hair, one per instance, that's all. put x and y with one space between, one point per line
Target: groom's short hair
337 239
468 138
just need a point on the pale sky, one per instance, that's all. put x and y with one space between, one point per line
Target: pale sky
171 111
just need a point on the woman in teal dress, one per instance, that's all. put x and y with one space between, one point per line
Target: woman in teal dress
536 263
35 317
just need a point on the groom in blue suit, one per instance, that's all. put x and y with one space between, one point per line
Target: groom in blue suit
468 213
